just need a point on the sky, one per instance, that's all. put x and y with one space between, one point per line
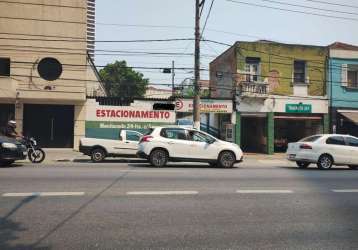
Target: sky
229 21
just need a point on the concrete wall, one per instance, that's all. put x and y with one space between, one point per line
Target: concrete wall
221 77
278 59
29 28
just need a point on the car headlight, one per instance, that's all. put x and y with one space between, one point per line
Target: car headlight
8 145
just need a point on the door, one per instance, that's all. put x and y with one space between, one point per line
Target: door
51 125
176 142
353 148
336 146
128 142
202 146
7 112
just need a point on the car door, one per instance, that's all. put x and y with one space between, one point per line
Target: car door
201 146
336 146
176 142
131 141
127 143
353 148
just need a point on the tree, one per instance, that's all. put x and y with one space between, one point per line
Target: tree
121 80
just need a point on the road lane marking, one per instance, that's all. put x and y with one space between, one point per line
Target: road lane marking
43 194
345 190
163 193
243 191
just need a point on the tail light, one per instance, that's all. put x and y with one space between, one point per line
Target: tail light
146 138
305 146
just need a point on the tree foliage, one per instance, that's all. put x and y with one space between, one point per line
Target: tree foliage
119 80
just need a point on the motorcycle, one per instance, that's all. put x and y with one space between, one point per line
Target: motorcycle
34 152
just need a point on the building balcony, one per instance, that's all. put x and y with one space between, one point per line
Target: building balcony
253 89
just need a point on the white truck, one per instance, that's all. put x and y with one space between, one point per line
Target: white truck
99 149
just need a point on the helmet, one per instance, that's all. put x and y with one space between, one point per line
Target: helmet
12 123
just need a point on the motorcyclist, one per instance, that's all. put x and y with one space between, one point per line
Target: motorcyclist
10 130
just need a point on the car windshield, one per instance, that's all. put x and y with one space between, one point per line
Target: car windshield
312 138
185 122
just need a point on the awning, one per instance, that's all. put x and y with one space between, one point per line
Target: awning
352 116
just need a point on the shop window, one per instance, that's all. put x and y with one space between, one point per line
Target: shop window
4 66
252 69
335 140
299 72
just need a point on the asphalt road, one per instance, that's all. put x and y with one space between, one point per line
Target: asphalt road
256 205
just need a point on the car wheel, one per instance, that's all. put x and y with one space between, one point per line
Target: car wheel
6 163
325 162
302 165
98 155
158 158
226 159
354 167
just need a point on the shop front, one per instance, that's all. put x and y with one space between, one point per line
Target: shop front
295 119
103 121
345 121
217 117
268 125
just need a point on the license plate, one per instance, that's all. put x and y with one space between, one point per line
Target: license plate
291 157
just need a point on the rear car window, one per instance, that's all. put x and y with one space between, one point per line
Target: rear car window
132 136
336 140
171 133
148 131
352 141
312 138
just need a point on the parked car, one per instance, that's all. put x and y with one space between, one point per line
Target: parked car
11 151
165 144
99 149
325 150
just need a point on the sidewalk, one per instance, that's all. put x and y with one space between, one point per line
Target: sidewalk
69 155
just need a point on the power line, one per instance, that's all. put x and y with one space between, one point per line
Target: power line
43 20
101 41
42 4
334 4
207 18
293 11
310 7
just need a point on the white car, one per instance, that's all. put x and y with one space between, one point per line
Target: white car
325 150
99 149
165 144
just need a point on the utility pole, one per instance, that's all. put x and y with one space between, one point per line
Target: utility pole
173 76
196 101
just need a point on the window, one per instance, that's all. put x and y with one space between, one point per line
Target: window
352 141
4 66
299 72
311 138
252 69
174 133
200 137
352 78
132 136
335 140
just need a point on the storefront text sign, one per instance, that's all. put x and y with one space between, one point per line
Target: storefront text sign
128 114
298 108
206 106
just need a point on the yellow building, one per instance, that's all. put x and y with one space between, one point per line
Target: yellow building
46 68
